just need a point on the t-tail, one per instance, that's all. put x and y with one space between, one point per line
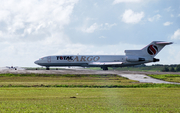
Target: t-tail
147 53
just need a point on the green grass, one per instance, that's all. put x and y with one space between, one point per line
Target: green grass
88 100
167 77
57 75
85 94
45 80
86 81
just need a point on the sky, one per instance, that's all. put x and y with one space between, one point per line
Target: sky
31 29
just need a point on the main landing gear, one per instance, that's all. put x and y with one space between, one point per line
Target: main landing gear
47 68
104 68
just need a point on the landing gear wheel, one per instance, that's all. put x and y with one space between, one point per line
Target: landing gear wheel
47 68
105 68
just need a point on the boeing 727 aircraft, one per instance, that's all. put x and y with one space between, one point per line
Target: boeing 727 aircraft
131 57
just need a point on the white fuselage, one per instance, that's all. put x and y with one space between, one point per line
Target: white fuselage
85 60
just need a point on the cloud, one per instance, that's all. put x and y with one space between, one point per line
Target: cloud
131 17
92 28
178 14
172 15
174 54
95 5
108 26
126 1
156 11
154 18
32 29
176 35
95 27
167 23
30 19
169 9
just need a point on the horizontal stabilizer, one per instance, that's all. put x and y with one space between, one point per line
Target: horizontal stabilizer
163 43
105 63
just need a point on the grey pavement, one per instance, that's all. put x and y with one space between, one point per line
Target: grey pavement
139 76
145 79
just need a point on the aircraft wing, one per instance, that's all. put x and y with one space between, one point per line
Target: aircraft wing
105 63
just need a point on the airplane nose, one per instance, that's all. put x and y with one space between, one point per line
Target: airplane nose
36 62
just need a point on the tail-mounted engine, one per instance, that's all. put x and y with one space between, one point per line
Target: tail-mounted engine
134 59
138 59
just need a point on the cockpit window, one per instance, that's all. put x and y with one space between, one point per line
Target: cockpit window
41 59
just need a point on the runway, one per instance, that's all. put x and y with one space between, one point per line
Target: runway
139 76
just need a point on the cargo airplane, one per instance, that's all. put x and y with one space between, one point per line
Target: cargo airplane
131 58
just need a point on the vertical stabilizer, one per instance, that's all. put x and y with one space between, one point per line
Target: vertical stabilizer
150 50
154 48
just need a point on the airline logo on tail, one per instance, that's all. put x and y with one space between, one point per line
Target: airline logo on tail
152 49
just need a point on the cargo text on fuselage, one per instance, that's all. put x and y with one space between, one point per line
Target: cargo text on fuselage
78 58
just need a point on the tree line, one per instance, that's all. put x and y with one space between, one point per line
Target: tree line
154 67
169 68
